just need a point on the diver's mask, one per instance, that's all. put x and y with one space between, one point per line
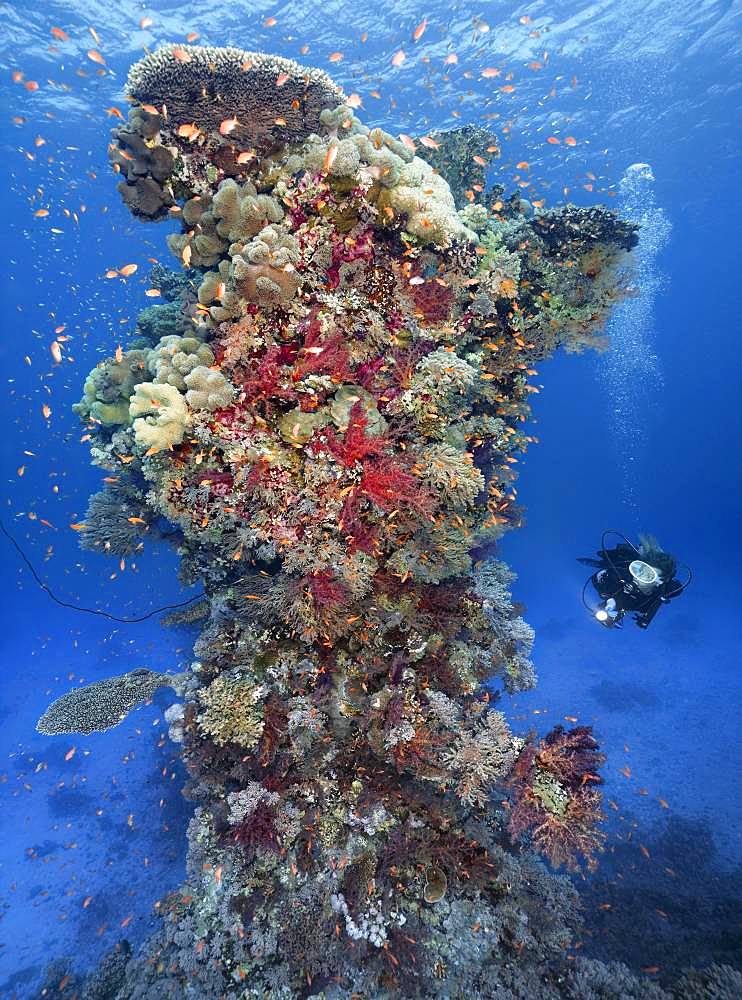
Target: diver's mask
644 576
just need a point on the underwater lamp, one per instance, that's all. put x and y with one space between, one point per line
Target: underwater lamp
608 614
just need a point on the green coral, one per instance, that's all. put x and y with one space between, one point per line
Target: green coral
346 398
550 792
108 387
156 322
453 158
297 427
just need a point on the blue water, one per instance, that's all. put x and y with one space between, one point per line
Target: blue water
646 440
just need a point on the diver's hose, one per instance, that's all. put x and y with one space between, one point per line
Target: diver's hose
90 611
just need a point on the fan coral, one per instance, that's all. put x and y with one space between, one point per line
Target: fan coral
116 520
334 440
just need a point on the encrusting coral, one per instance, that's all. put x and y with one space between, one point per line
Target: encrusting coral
336 446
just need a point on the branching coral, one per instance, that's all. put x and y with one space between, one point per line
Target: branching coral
334 439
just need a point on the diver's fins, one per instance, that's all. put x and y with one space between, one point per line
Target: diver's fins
588 561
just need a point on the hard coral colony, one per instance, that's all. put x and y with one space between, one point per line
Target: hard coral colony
328 411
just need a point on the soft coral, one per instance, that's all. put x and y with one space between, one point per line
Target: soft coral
355 445
390 486
554 798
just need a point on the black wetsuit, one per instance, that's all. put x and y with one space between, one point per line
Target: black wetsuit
613 579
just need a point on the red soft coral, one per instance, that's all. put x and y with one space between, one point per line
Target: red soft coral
355 445
323 354
433 301
327 592
391 487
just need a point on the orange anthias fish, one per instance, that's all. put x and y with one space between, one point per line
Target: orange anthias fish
330 157
228 125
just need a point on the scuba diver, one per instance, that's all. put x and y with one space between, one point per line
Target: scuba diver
631 580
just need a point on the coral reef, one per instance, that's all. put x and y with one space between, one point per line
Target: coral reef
334 442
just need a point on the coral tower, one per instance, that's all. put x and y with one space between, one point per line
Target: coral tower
327 411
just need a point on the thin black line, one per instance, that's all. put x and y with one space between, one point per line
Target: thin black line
90 611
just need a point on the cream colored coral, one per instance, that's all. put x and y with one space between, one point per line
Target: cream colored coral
426 199
160 416
208 389
218 292
205 246
241 211
264 272
174 357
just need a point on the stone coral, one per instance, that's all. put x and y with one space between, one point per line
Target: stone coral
208 85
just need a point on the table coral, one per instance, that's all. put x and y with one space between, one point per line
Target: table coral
336 469
102 704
